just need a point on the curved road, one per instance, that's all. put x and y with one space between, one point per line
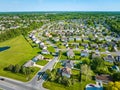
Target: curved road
34 84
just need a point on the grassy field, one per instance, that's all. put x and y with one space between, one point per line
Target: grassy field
42 62
56 86
20 51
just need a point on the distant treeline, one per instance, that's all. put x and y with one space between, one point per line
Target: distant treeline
8 34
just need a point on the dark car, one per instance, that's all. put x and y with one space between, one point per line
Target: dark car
2 79
40 75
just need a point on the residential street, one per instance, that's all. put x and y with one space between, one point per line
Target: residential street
10 84
38 84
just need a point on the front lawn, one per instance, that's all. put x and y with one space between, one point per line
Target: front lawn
63 56
56 86
48 56
42 62
51 49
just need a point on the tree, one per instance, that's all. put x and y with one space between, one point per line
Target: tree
23 70
66 81
113 86
28 72
48 73
116 76
10 67
85 61
16 68
85 70
96 62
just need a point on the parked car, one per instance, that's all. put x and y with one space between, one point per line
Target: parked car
2 79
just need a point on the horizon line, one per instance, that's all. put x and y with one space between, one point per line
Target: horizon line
61 11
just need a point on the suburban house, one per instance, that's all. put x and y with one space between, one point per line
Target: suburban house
103 78
94 45
39 57
97 86
94 55
45 51
117 58
84 53
66 72
44 47
68 63
77 38
56 39
30 63
41 44
85 45
64 39
37 41
71 39
70 53
109 58
115 68
108 38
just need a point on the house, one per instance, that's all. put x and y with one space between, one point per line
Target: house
103 78
108 38
37 41
97 86
71 39
94 45
39 57
30 35
70 53
68 63
30 63
100 38
44 47
45 51
77 38
94 55
41 45
66 72
109 58
56 39
115 68
33 37
84 53
85 45
117 58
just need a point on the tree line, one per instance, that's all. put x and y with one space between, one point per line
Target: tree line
8 34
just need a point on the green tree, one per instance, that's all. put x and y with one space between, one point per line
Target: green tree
10 67
116 76
16 68
85 70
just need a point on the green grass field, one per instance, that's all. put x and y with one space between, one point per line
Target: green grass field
56 86
42 62
20 51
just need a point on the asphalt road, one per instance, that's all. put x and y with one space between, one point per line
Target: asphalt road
34 82
12 85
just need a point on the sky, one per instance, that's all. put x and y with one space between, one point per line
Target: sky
59 5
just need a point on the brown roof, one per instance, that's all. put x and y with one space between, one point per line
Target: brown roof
66 70
104 78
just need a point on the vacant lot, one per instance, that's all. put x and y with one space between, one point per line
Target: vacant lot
19 52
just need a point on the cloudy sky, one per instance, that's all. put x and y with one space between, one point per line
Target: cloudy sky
59 5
